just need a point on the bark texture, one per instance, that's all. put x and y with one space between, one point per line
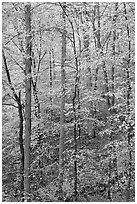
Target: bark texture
129 135
62 117
27 104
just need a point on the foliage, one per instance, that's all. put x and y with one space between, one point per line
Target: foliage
106 132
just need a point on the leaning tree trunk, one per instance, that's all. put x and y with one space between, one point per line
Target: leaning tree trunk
27 104
18 100
62 117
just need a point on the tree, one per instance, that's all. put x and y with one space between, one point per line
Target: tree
76 60
62 107
129 133
20 112
27 103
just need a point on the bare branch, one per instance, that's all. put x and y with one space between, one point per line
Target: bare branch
8 76
9 104
13 37
17 63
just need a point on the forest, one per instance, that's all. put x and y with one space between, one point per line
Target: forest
68 101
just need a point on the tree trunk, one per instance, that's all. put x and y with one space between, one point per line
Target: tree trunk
62 117
27 104
75 146
113 92
109 180
18 100
39 135
76 119
21 144
114 51
128 109
51 82
53 63
37 114
98 46
106 85
89 80
98 28
77 81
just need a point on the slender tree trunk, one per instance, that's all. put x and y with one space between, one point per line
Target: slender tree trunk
113 161
27 104
21 144
50 81
53 64
106 85
113 93
18 100
86 39
98 23
114 51
108 106
79 106
97 39
62 117
37 112
110 149
36 99
76 119
99 46
94 104
75 145
39 135
128 109
76 101
77 82
106 92
109 181
93 25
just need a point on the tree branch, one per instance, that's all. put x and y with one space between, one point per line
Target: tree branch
8 76
9 104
